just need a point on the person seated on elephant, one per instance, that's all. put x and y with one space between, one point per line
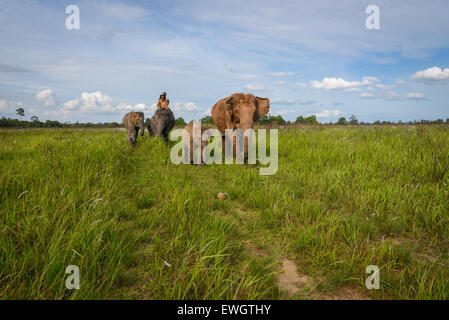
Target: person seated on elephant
133 121
163 101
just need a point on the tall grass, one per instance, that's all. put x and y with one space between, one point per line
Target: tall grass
138 226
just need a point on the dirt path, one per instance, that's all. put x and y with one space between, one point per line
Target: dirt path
289 279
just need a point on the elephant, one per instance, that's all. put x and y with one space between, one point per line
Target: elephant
161 123
133 121
189 129
239 111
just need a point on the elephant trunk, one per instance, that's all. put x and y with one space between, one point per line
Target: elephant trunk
141 127
160 128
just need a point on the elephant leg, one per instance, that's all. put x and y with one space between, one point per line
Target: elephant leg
136 130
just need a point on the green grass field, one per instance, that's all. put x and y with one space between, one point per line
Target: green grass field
138 226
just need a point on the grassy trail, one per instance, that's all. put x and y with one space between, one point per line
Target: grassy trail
253 248
220 260
138 226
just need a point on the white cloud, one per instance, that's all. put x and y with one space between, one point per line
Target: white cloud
189 107
301 84
280 83
366 95
280 74
284 112
90 102
392 95
384 87
121 11
45 97
340 84
136 107
329 113
3 104
10 106
414 96
282 101
254 86
373 79
352 89
432 75
306 102
400 82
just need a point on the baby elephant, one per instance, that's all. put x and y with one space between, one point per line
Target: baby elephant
133 121
161 123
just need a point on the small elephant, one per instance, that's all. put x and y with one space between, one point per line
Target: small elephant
189 129
239 111
161 123
133 121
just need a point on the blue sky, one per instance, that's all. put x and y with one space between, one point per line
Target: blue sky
308 57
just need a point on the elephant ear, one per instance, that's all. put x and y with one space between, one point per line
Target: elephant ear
229 113
262 107
229 103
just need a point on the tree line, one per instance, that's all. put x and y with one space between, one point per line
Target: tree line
36 123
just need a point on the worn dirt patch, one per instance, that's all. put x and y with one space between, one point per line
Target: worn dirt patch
290 280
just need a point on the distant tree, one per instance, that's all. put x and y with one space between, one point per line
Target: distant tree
353 120
311 119
300 119
180 122
377 122
277 119
342 120
34 119
447 120
20 112
207 119
263 120
439 121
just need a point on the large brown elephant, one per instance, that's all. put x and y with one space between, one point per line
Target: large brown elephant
133 121
239 111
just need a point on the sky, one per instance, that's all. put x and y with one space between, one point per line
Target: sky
308 57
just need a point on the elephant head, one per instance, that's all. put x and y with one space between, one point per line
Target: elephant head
239 111
161 123
133 122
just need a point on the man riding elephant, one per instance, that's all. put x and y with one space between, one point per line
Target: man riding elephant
163 101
